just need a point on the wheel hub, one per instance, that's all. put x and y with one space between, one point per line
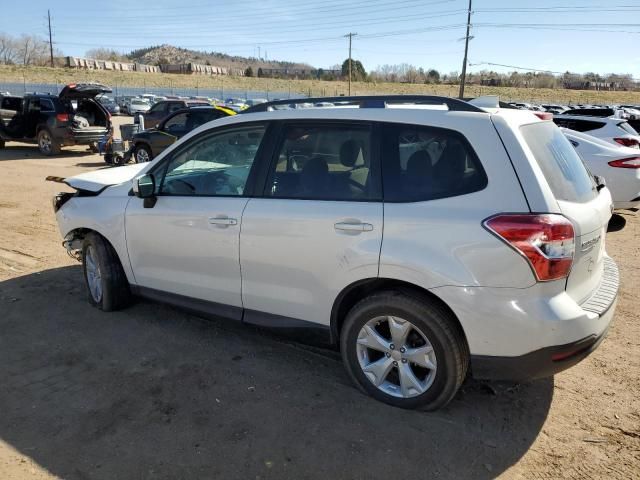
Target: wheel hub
396 356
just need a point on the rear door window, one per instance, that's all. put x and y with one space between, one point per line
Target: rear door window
324 162
425 163
561 165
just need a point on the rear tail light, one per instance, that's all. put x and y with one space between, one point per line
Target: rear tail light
627 142
547 241
633 162
544 115
62 117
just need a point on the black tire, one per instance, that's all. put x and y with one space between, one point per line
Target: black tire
45 138
115 291
441 329
1 143
145 150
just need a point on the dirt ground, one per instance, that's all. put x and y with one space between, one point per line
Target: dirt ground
155 393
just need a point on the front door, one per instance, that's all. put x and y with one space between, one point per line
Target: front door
317 227
188 243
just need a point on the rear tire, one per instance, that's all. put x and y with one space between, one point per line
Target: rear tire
425 369
142 154
107 285
47 144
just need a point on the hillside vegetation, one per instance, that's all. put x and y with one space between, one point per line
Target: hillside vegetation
19 74
163 54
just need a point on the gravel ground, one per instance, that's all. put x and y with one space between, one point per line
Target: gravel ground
152 392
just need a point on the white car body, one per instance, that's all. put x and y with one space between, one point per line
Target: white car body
605 128
622 181
278 261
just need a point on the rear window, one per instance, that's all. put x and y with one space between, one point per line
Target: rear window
561 165
627 128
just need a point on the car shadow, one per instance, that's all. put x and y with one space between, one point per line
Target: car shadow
153 392
616 223
12 151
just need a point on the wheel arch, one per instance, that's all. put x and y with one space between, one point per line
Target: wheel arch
73 243
354 292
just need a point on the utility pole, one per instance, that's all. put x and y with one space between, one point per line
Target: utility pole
50 37
466 50
350 35
258 52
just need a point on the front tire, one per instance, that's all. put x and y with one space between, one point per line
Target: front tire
107 285
404 351
47 144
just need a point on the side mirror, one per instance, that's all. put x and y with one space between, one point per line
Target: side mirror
145 187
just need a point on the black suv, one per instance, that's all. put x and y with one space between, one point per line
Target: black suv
149 143
160 110
74 117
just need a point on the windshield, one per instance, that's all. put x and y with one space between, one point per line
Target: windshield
139 102
561 165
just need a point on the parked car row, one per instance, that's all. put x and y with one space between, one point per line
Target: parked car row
492 263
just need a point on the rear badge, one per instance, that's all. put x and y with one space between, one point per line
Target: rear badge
590 243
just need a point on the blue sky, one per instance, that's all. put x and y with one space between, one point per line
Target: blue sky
580 36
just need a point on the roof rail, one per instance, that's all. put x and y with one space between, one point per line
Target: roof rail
374 101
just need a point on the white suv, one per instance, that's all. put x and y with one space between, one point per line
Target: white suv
427 239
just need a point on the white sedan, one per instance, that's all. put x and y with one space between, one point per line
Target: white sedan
620 166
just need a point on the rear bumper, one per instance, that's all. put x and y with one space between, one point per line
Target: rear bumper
541 363
525 333
79 136
549 360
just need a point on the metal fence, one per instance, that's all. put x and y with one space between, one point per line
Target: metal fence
17 88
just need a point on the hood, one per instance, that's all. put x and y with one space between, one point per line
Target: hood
83 90
101 179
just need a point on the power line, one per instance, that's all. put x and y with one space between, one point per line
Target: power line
259 13
542 70
301 26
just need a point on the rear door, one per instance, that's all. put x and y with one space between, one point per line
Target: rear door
578 199
317 227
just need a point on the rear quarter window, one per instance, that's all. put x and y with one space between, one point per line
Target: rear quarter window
422 163
561 165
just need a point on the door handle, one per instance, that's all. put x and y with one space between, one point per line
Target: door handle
353 227
222 221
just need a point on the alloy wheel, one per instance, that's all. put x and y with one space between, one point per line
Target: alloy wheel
94 276
396 356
